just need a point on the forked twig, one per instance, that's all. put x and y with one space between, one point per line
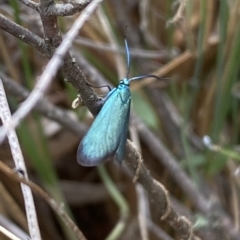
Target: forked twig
50 71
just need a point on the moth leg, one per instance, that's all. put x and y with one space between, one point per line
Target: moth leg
109 88
138 170
103 97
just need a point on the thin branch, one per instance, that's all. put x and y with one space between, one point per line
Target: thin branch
8 234
143 211
106 29
50 71
134 52
179 14
159 196
5 115
45 107
58 208
30 4
65 9
92 73
24 34
12 227
171 129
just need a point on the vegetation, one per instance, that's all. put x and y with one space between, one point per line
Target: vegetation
180 178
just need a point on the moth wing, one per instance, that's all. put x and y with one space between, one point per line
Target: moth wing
123 139
103 138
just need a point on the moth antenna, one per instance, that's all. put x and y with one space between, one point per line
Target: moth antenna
128 58
145 76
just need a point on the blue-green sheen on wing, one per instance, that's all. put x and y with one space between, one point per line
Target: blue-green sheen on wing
122 143
108 133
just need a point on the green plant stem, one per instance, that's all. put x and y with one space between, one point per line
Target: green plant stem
119 200
228 153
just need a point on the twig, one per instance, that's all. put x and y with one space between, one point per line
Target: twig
159 196
134 52
97 79
143 211
58 208
65 9
106 28
123 18
24 34
142 198
12 227
179 14
30 4
58 9
8 233
171 128
5 115
45 107
50 71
